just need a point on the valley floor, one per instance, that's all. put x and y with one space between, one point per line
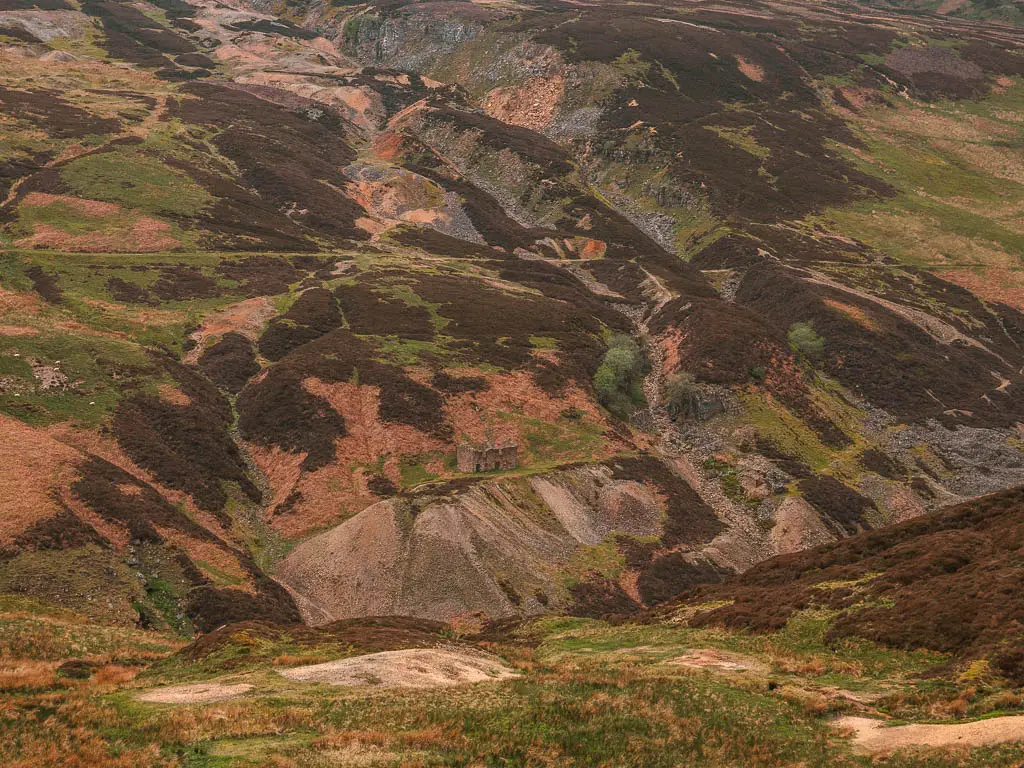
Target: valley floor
563 692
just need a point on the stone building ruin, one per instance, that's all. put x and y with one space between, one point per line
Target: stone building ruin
486 458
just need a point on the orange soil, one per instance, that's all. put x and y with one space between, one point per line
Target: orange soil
531 105
388 146
593 249
398 197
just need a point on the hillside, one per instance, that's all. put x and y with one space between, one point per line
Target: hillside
947 582
731 282
735 281
938 685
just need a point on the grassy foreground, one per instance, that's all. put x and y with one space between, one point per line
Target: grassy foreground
589 694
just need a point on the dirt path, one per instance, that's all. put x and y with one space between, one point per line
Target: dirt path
873 736
718 661
196 693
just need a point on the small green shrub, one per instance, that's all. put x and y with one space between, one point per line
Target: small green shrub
680 390
803 339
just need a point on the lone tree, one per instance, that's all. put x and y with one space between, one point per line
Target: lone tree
618 380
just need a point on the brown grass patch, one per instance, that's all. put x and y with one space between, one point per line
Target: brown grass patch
27 673
79 205
115 674
750 69
18 330
33 464
990 284
171 394
145 235
855 313
246 317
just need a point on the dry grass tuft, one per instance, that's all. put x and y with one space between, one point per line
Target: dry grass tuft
26 673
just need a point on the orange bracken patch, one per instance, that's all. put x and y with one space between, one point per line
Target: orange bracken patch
754 71
27 673
171 394
855 313
246 317
11 301
991 284
670 343
388 146
33 465
146 235
511 393
329 495
105 447
593 249
78 204
368 437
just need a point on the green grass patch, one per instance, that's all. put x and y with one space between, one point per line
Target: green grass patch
135 180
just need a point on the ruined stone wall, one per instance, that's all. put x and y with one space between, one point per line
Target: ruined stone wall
486 459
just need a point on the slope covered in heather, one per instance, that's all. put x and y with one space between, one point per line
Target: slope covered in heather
947 581
735 280
741 282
